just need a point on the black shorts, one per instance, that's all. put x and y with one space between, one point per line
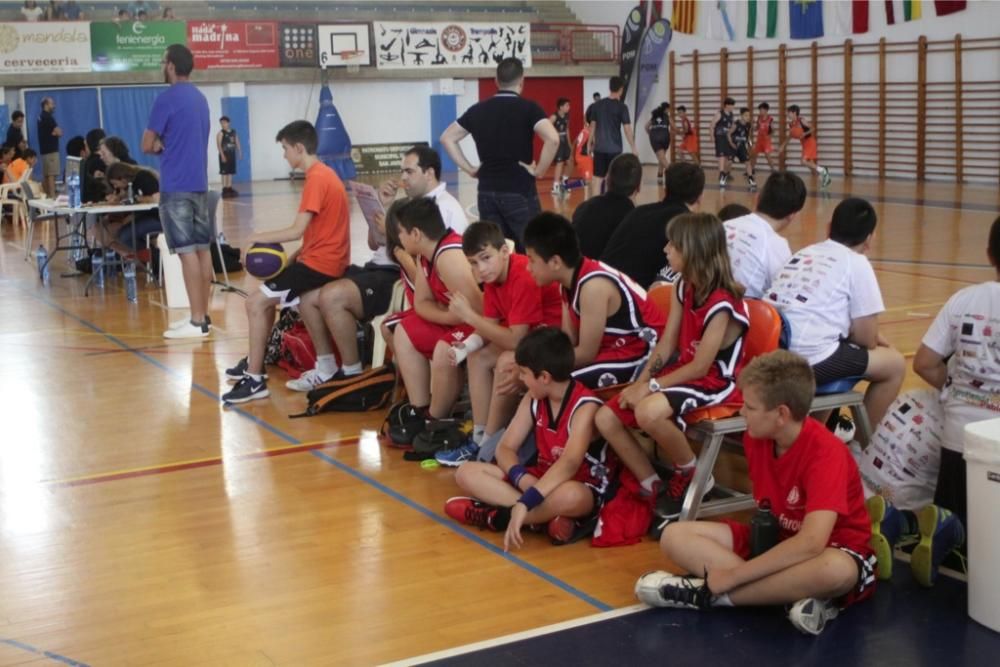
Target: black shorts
228 168
293 282
742 153
659 139
950 492
563 152
375 282
847 361
723 148
601 163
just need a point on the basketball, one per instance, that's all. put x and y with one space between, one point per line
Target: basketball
266 260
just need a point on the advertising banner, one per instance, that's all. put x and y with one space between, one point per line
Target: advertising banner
131 46
380 158
44 47
651 55
336 39
233 44
403 45
635 23
298 45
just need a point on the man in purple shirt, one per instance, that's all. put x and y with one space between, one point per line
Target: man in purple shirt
178 132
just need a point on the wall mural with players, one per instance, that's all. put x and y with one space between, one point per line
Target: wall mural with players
403 45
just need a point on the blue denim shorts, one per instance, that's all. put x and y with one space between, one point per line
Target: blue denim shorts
185 221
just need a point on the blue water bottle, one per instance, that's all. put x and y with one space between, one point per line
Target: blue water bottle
111 263
42 259
97 266
131 292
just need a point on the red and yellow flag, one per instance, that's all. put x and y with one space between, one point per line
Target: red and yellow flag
685 16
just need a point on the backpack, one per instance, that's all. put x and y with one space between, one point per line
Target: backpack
371 390
286 320
296 352
402 424
439 435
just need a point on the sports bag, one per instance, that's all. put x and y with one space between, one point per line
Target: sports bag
371 390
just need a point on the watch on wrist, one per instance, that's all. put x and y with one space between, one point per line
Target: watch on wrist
654 386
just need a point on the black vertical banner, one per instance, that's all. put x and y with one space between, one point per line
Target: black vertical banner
631 34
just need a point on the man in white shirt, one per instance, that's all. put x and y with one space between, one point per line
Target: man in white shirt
756 251
830 296
960 355
365 292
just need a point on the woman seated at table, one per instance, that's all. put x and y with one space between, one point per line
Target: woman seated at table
145 190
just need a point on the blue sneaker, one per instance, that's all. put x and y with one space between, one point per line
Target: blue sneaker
940 533
456 457
887 528
247 389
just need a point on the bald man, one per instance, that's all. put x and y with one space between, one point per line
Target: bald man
48 145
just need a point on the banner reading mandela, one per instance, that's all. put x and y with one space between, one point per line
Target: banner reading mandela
133 45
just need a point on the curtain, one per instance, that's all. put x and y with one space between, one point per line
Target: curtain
76 113
126 113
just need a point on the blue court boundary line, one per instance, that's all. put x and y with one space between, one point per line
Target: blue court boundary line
395 495
48 654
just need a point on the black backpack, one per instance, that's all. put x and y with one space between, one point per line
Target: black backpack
371 390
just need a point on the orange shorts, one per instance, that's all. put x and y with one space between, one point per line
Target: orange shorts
690 143
810 151
763 145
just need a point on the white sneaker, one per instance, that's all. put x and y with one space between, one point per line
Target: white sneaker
663 589
810 615
187 330
307 381
180 323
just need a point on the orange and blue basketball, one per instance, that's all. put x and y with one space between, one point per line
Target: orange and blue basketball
266 260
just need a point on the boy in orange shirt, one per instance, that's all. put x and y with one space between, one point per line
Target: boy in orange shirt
24 163
797 129
323 224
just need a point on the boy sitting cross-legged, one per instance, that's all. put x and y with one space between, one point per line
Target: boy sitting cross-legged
822 561
513 305
571 476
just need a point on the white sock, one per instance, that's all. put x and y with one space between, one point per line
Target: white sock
722 601
326 364
689 465
478 433
647 484
255 378
352 369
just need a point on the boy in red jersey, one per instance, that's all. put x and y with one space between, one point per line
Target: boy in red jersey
443 273
762 144
689 137
797 129
822 561
612 323
513 304
568 483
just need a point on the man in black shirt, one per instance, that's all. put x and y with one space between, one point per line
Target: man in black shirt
93 186
596 219
636 247
15 133
48 146
503 128
587 117
608 117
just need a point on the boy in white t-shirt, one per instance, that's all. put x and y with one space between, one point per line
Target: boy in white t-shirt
756 251
830 296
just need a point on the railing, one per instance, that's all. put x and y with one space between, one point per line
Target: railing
574 43
923 110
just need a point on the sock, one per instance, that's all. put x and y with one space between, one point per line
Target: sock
478 433
255 377
352 369
326 364
647 484
722 601
690 465
502 518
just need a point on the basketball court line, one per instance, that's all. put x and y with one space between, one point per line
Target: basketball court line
162 468
37 651
292 440
948 265
518 636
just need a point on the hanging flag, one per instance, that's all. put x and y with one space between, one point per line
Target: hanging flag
859 16
845 18
651 54
805 19
685 16
762 18
890 13
721 17
631 34
945 7
897 11
911 10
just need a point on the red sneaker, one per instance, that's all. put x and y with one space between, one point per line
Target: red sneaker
471 512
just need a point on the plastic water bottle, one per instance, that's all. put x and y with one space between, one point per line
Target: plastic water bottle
131 290
764 529
97 266
73 190
111 263
131 197
42 259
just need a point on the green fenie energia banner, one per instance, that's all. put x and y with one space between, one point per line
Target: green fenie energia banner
131 46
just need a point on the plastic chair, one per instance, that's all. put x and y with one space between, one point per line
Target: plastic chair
11 195
396 304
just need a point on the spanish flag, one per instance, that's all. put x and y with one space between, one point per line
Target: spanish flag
684 16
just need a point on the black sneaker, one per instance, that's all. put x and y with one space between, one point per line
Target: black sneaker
722 180
247 389
752 181
236 373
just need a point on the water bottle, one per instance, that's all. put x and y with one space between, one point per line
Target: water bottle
111 263
131 197
73 190
42 259
222 239
764 529
131 292
97 266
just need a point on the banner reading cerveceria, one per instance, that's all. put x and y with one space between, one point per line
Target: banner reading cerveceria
133 45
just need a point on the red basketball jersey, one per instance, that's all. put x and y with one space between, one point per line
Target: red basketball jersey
696 317
450 241
552 431
765 126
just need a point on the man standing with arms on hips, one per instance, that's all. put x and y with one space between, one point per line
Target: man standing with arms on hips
503 128
48 145
608 117
178 131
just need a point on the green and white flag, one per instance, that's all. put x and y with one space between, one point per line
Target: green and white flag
762 18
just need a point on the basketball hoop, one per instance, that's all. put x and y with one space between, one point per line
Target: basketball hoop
351 59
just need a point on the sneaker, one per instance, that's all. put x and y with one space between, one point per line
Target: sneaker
180 323
471 512
887 526
940 533
188 330
307 381
662 589
722 180
236 373
752 181
247 389
844 428
824 178
556 188
668 505
809 616
453 458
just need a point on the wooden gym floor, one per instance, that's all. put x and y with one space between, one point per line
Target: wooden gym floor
143 524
